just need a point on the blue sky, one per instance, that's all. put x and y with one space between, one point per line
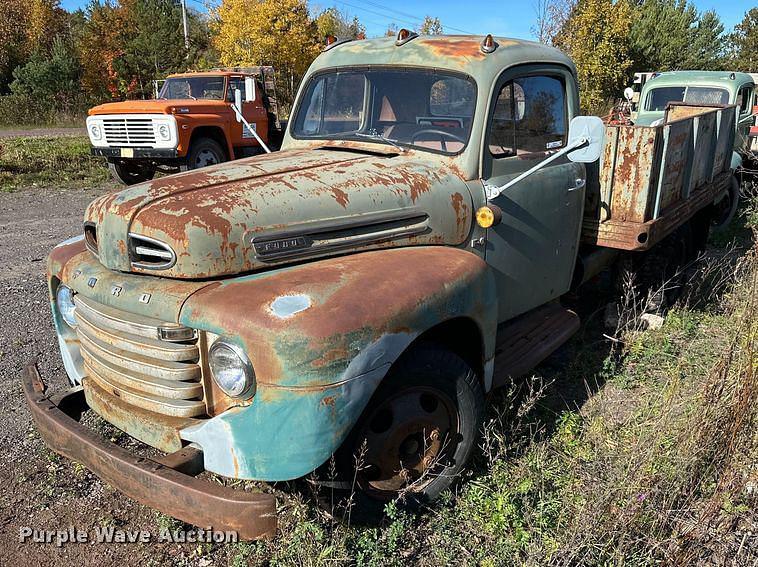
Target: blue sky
503 18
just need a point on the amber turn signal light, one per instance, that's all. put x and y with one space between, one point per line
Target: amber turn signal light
488 215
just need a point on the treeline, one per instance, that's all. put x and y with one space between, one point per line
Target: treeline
609 40
56 63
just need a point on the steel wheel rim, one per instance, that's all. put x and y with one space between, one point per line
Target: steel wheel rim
405 442
205 158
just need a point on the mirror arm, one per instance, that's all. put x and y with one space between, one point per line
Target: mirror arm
492 191
247 125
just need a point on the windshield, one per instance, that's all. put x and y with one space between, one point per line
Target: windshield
431 110
208 88
657 99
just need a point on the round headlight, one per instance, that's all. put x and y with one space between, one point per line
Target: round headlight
231 369
65 301
95 132
163 132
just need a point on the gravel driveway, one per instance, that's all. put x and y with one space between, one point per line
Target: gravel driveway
41 490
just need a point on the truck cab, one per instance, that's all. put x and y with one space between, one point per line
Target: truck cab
355 296
696 87
192 123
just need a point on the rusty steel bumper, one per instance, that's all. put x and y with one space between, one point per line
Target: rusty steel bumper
167 483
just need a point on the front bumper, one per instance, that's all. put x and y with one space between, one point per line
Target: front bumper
168 484
135 153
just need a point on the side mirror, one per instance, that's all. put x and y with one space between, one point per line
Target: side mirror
587 135
238 103
585 144
250 94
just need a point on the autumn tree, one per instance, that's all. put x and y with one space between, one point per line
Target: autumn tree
430 26
744 43
26 27
596 37
268 32
335 23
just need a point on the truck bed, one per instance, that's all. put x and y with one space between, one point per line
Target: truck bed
652 179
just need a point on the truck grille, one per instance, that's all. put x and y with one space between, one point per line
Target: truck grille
129 131
123 353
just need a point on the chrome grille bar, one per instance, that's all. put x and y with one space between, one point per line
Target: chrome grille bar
124 355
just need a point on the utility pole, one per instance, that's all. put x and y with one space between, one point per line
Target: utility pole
184 22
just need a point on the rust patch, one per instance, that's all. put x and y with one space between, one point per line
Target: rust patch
454 47
341 197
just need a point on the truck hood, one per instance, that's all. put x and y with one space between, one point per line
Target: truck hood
279 208
182 106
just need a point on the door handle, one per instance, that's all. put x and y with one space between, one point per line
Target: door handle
578 184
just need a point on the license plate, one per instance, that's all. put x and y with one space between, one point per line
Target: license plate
127 152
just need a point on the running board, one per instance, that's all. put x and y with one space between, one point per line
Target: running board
530 338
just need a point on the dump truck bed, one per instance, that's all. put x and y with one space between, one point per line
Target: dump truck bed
652 179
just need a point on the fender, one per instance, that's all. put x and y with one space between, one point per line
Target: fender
321 336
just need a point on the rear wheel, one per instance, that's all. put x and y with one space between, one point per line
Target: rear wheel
726 207
130 173
204 152
658 276
418 431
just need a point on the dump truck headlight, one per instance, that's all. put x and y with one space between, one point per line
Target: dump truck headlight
231 369
64 298
164 132
95 132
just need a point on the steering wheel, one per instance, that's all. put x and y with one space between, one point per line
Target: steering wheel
442 134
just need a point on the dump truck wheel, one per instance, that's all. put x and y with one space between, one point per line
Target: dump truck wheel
726 207
418 431
130 173
659 275
204 152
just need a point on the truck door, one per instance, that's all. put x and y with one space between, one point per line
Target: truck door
253 111
745 116
533 249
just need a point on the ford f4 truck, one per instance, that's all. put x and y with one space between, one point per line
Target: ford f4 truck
195 121
359 293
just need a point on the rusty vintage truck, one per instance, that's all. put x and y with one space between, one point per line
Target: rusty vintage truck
361 291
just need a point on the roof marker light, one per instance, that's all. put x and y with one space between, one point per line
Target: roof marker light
404 36
488 44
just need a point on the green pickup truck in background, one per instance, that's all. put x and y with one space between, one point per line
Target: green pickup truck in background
360 292
707 87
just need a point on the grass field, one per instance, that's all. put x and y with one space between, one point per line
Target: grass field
61 162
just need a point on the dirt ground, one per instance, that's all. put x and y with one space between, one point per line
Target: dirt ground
40 490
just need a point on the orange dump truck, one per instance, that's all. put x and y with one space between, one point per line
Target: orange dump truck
192 123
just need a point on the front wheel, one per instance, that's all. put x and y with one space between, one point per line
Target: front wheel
130 173
204 152
418 431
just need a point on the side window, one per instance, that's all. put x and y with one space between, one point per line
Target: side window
743 99
529 117
234 84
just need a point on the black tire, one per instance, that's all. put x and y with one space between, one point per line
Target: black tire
204 152
430 382
726 207
659 275
130 173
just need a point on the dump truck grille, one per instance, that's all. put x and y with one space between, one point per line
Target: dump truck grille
129 131
125 355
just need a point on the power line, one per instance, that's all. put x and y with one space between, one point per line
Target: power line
416 19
